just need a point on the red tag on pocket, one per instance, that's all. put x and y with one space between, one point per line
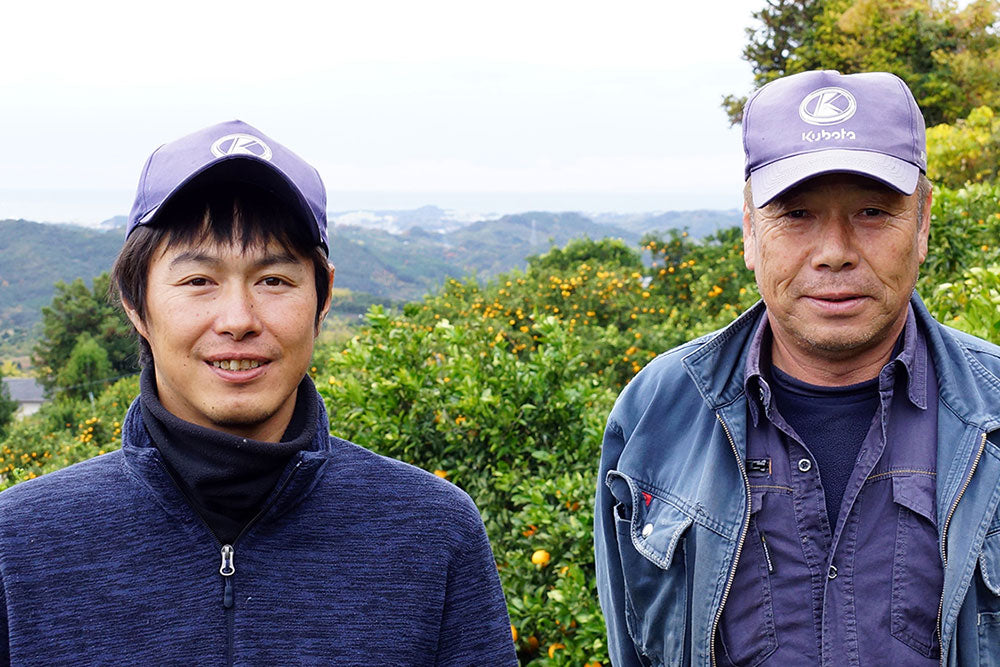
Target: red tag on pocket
647 497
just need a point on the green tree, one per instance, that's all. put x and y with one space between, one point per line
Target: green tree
780 28
77 309
8 406
949 57
87 370
967 151
606 252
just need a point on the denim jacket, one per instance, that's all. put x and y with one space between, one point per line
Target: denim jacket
677 435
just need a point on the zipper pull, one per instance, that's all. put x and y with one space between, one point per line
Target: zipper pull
227 570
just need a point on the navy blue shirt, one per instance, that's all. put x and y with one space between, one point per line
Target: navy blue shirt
832 422
863 590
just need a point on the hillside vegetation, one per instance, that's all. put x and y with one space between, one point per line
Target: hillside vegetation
377 266
503 388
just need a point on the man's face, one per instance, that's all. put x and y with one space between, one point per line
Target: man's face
231 334
836 259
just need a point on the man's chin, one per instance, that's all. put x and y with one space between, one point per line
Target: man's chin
842 341
241 421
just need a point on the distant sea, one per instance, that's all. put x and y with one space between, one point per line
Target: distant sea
91 207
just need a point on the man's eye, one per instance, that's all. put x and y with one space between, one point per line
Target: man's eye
198 282
797 213
271 281
872 212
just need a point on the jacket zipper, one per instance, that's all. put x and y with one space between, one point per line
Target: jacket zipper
739 544
944 537
228 552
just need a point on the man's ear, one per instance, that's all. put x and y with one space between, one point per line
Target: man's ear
134 318
923 233
749 248
329 300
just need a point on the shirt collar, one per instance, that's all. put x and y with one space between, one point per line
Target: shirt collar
912 357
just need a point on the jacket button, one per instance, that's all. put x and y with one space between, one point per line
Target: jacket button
647 529
832 574
805 465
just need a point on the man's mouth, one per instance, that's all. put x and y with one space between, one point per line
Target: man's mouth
237 364
837 297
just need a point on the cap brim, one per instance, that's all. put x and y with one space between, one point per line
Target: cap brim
247 170
770 180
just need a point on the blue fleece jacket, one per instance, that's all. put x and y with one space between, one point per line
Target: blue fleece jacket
355 559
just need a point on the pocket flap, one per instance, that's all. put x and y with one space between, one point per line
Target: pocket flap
916 493
989 563
656 526
657 529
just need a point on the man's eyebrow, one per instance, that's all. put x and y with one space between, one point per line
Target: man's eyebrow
201 257
196 257
272 258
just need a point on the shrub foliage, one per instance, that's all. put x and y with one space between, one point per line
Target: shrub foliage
503 388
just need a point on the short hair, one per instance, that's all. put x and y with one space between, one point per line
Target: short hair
924 187
222 213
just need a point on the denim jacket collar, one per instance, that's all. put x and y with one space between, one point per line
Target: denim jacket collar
967 388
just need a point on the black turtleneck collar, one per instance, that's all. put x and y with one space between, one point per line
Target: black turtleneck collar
225 477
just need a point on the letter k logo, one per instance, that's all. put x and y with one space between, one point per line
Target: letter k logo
827 106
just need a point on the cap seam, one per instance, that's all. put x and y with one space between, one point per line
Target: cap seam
142 181
913 126
828 149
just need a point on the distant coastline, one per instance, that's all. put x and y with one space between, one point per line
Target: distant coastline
90 207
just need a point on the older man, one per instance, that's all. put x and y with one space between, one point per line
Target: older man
231 528
818 482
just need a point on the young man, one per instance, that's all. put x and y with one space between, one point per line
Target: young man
231 528
818 483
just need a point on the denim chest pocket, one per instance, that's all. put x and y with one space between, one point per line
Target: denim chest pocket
917 572
652 536
988 617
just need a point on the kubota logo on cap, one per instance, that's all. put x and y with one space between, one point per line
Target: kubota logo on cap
827 106
241 144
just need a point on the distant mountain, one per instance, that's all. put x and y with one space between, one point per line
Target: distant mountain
34 256
397 255
117 222
698 223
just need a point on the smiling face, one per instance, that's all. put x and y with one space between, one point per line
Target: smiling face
231 332
836 259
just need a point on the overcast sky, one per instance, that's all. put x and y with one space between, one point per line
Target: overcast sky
488 106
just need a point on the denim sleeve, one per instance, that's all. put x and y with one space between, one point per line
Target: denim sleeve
475 627
610 581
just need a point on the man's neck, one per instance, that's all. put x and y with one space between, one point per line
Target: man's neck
830 369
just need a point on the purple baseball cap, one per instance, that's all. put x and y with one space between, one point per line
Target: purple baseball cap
821 122
235 151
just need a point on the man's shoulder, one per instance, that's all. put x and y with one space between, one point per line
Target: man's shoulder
80 484
982 349
367 474
665 380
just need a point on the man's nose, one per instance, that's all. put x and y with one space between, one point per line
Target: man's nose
836 247
237 313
